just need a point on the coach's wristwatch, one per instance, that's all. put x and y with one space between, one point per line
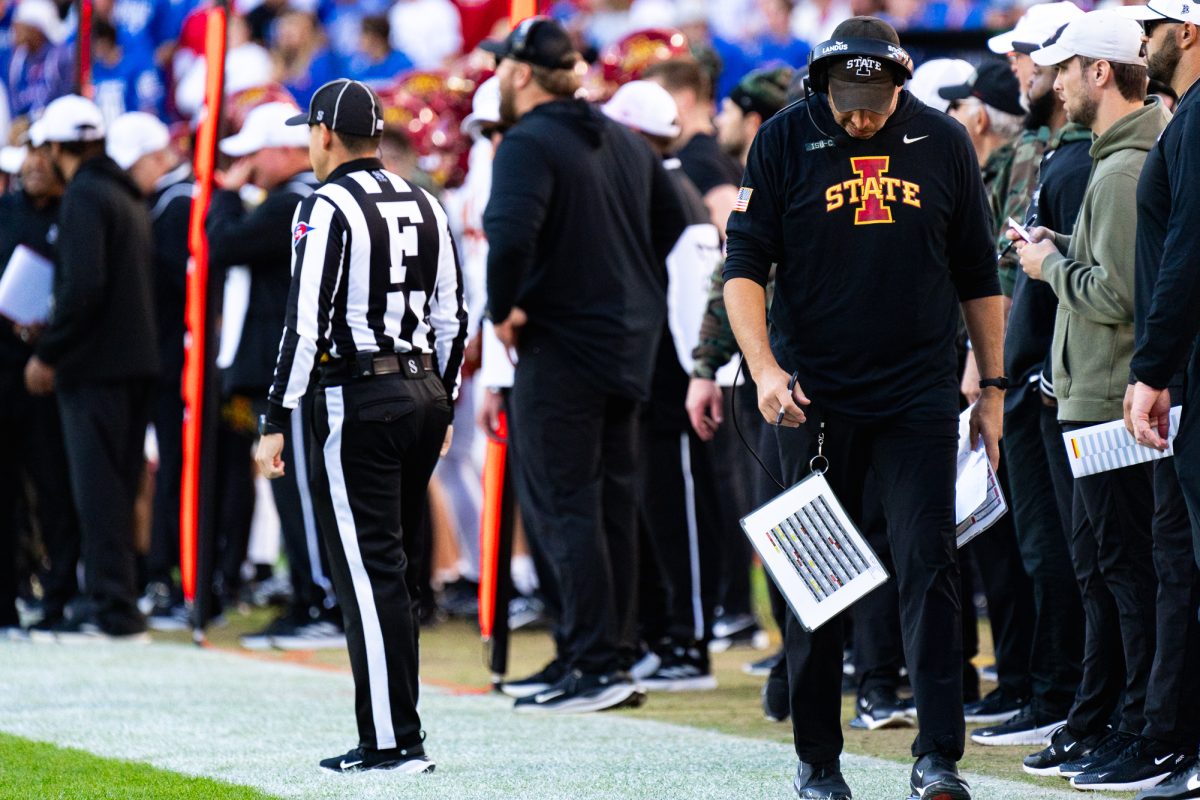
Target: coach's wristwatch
265 426
1000 383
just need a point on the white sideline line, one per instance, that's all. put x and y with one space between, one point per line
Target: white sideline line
266 724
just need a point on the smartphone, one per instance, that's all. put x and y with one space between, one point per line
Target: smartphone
1020 229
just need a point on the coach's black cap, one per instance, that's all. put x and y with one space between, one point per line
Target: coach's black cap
344 106
536 40
994 84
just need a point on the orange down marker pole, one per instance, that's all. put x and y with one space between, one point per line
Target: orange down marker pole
489 527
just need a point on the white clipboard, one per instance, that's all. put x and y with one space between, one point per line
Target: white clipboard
27 287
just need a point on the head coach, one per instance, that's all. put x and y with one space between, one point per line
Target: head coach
873 208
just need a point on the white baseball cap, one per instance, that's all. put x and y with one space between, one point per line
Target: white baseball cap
1100 34
1178 10
266 126
134 135
12 159
485 107
70 118
43 15
1035 26
644 106
937 74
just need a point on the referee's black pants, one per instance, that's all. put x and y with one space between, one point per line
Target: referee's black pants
578 450
376 442
914 463
1034 450
1111 545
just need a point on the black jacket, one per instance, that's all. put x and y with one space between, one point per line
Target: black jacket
170 210
877 242
581 217
103 325
21 222
262 241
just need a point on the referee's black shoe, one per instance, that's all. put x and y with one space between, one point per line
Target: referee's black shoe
579 692
822 781
935 777
409 760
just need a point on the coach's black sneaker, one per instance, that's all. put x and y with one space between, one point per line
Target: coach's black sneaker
762 668
1028 727
776 700
1063 747
578 693
681 669
821 781
1105 752
880 708
996 707
1143 764
407 761
935 777
320 631
1182 784
539 681
737 630
283 624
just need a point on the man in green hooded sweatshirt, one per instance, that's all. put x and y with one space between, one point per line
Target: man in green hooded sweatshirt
1101 63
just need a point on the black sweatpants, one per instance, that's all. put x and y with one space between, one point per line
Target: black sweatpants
1034 451
376 442
913 459
577 451
1112 550
679 517
104 429
1173 692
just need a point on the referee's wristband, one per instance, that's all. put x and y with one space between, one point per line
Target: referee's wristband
277 420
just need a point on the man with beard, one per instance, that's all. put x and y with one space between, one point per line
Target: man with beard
1167 297
1100 61
581 218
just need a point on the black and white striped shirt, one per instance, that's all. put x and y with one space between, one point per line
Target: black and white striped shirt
374 269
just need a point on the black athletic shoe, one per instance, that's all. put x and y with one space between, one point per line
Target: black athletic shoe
1105 752
776 700
539 681
881 708
762 668
407 761
1028 727
821 781
285 623
682 669
1063 747
1182 784
87 630
579 693
935 777
737 630
996 707
1143 764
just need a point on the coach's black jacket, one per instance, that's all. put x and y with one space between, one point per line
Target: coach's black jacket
581 218
262 241
103 324
170 210
877 241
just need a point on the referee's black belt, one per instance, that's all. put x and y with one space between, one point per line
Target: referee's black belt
368 365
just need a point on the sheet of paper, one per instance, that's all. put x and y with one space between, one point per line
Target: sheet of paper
27 287
1107 446
978 501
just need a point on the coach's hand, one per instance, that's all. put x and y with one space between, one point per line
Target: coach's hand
705 407
489 414
987 420
269 455
39 377
1150 416
773 395
509 331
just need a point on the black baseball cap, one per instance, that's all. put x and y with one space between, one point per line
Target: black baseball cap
994 84
536 40
344 106
859 81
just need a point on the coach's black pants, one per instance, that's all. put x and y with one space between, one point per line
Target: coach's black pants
739 476
167 416
104 429
375 445
1034 451
914 465
577 451
679 519
1112 550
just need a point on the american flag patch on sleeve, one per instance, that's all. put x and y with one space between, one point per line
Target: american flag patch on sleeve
743 199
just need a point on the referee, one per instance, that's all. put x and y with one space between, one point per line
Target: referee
376 303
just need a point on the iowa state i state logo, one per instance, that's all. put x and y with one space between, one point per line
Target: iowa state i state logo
872 193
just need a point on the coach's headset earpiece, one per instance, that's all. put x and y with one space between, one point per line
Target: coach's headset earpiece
895 59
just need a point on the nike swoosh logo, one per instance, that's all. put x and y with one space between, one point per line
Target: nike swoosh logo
546 697
1070 747
920 774
1158 762
349 764
910 141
